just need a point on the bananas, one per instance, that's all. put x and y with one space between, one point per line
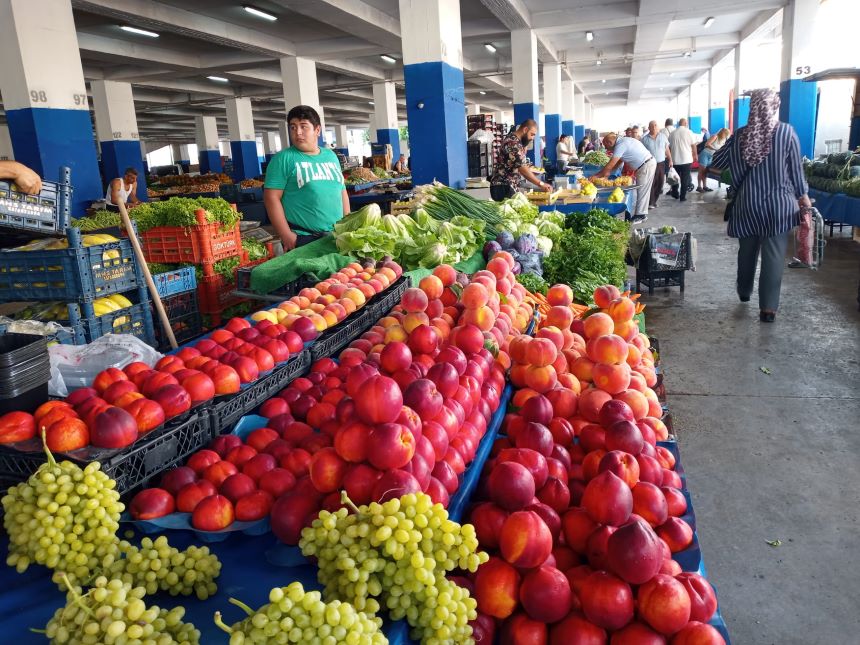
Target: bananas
59 310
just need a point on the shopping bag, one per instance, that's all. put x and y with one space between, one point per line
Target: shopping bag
808 240
672 177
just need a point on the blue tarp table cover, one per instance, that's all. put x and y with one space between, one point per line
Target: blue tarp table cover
612 209
837 207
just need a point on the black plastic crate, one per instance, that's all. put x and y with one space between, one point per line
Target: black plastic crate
338 337
77 273
654 274
184 316
382 303
226 413
46 213
288 290
153 453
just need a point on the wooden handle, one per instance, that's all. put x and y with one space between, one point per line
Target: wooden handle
141 261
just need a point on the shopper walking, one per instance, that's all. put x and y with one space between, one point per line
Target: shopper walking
511 163
770 189
658 145
631 152
683 146
564 152
712 144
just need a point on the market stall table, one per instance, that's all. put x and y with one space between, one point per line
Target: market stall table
383 198
836 208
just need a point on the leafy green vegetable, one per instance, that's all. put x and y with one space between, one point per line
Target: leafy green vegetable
595 158
226 268
256 250
533 283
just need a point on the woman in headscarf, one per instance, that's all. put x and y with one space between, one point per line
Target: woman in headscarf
770 189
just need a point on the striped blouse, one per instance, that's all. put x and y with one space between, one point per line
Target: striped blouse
766 204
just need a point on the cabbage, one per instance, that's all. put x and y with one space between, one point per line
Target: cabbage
505 239
433 255
550 229
525 244
367 217
544 244
517 268
491 248
529 229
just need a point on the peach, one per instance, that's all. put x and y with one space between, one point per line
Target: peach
622 309
649 469
670 568
577 525
607 600
624 435
665 457
560 316
599 324
540 352
327 470
487 519
525 540
552 333
532 460
575 629
151 503
591 464
636 633
213 513
610 349
519 628
564 402
591 401
497 586
597 547
650 504
545 594
703 599
582 368
511 485
664 604
414 300
603 296
698 633
613 379
676 533
634 552
675 501
67 433
541 379
608 499
559 294
432 286
622 464
636 400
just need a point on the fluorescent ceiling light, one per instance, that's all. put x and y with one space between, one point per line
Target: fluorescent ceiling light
218 79
709 21
139 32
388 59
671 73
603 81
482 92
510 102
599 62
260 13
490 47
589 36
688 53
371 102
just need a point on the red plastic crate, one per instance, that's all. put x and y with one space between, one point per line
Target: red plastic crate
215 294
201 244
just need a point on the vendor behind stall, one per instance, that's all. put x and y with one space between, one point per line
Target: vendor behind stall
304 191
123 190
511 163
630 151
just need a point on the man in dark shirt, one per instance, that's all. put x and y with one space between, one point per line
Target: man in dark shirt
511 163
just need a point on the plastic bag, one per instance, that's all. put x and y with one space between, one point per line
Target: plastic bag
75 366
672 177
808 240
484 136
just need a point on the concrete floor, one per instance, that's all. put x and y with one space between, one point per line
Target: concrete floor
768 456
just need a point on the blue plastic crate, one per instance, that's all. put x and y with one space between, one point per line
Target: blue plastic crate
46 213
78 273
173 282
135 320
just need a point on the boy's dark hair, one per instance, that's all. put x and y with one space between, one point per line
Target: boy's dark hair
304 113
130 171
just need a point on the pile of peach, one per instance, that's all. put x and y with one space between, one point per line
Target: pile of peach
582 532
316 309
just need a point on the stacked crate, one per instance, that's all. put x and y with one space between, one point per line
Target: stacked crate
479 160
475 122
178 292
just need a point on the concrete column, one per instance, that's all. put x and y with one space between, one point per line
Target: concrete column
300 86
176 153
385 113
473 110
116 129
741 107
433 71
284 131
568 107
341 136
717 117
225 149
552 107
799 99
270 144
582 120
143 151
243 140
6 153
694 118
185 153
45 96
525 76
208 151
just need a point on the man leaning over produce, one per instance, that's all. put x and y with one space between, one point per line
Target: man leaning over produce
631 152
511 163
304 191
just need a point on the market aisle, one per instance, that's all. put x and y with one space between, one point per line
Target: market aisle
768 456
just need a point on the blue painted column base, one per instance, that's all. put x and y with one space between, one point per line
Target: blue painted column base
741 113
552 122
798 106
523 111
119 155
246 164
717 120
210 161
44 139
437 129
578 133
568 127
695 124
390 136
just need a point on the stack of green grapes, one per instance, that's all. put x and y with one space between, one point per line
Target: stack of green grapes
397 553
66 518
294 615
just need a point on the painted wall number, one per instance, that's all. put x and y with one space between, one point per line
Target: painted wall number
38 96
800 70
79 99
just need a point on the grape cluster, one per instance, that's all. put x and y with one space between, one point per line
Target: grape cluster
66 518
398 553
294 615
113 612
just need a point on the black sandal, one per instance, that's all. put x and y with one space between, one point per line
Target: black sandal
767 316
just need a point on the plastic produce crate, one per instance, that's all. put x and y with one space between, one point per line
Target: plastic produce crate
226 413
173 282
46 213
655 274
201 244
331 341
185 319
383 302
76 273
151 454
135 320
215 294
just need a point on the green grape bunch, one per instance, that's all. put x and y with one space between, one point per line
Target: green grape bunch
112 613
396 555
294 615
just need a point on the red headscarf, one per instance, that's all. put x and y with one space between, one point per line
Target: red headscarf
757 136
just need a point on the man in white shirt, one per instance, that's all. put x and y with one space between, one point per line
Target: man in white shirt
630 151
658 145
683 146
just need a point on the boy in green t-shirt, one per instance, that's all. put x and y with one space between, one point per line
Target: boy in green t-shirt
304 191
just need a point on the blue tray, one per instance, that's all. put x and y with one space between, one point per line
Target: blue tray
177 281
